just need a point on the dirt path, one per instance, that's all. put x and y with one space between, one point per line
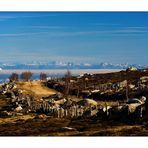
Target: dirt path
36 87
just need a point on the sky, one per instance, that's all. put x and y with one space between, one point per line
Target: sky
90 37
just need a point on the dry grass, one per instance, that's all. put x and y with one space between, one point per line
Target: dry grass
29 126
15 119
36 88
3 102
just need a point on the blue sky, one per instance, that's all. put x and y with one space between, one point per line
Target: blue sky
116 37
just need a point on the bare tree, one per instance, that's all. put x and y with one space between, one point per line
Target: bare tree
67 83
127 91
43 76
26 76
78 90
14 77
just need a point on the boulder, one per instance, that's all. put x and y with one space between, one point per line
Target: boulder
87 102
18 109
64 129
42 116
131 69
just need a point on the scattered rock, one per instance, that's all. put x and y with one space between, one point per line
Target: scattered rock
87 102
131 68
19 114
42 116
18 109
65 129
5 114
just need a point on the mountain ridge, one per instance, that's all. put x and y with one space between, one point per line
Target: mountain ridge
68 65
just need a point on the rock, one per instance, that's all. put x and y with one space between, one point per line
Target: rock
87 102
64 129
67 104
131 69
19 114
143 99
17 109
42 116
6 113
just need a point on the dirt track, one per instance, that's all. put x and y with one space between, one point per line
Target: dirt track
36 87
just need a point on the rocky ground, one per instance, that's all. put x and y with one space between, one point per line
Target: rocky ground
36 126
20 117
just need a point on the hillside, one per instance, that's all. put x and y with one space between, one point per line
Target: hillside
95 105
35 87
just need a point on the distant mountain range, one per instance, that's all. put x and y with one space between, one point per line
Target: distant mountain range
69 65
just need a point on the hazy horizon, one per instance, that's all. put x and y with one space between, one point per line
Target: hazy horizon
93 37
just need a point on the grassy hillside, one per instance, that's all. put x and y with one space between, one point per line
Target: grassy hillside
35 87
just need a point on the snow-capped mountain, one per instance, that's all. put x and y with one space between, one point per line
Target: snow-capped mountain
67 65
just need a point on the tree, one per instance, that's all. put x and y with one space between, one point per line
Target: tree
67 82
43 76
26 76
14 77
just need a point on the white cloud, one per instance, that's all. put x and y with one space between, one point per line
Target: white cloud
131 31
138 27
44 27
33 15
5 17
9 16
124 31
105 24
